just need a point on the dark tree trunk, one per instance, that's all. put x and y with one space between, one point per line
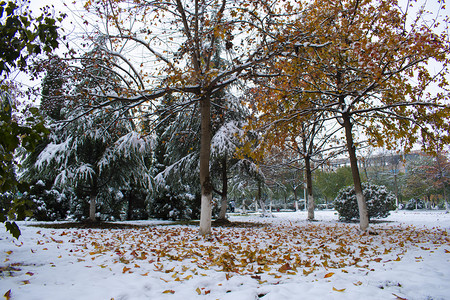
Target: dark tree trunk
224 201
309 188
362 205
205 179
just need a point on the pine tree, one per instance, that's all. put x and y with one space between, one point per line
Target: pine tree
92 156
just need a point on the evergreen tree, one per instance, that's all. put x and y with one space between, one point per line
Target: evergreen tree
92 157
176 157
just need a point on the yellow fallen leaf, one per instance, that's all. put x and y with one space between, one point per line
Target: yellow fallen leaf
357 283
164 280
328 275
125 269
284 268
338 290
198 291
169 292
7 295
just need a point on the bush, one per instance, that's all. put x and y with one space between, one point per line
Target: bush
379 202
415 204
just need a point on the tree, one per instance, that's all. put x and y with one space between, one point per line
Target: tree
22 36
95 155
310 137
329 183
369 66
228 136
176 194
180 38
427 176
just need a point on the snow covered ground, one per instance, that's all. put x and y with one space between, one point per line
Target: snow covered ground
284 258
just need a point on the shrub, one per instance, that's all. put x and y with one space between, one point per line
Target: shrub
379 202
415 204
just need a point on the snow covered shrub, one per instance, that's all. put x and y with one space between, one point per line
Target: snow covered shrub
415 204
49 203
170 206
379 202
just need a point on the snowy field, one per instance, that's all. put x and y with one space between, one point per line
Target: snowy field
284 257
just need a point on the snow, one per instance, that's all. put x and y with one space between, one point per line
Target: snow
409 258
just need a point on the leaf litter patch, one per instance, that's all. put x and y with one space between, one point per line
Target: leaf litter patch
243 249
268 254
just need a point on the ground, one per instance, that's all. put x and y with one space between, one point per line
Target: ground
284 257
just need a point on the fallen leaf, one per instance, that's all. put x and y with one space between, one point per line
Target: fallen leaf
7 295
398 297
338 290
25 282
284 268
169 292
328 275
29 273
125 269
377 259
447 251
357 283
199 291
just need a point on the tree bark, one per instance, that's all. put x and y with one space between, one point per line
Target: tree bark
224 201
362 205
260 200
92 204
205 179
309 188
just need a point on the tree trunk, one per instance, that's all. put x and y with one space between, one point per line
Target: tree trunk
92 204
261 200
295 198
362 205
205 179
130 205
224 201
309 188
